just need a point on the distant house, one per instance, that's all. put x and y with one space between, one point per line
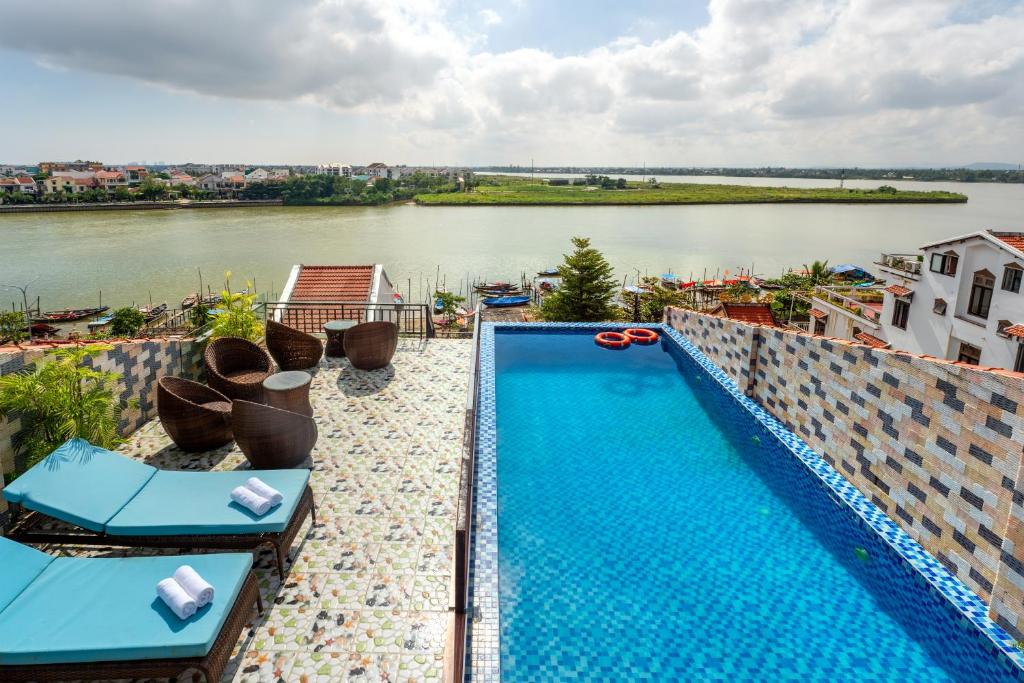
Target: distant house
179 178
22 183
69 182
50 167
319 293
110 180
257 175
342 170
378 170
134 174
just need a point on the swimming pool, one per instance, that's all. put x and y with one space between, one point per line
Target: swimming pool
638 519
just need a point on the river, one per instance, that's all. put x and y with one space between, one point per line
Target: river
133 255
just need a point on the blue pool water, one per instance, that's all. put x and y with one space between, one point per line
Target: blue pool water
650 529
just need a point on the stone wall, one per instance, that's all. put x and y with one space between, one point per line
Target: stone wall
936 445
140 364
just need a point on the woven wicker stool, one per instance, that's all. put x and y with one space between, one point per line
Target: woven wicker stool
289 391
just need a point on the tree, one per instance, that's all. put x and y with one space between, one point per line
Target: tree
126 322
587 288
819 273
12 327
60 400
449 303
122 194
151 189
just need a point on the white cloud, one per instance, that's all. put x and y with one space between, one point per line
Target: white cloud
764 81
490 17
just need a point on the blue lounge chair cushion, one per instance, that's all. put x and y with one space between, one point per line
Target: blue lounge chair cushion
19 566
101 609
80 483
174 503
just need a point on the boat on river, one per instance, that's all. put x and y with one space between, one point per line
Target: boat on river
68 314
101 321
550 272
506 301
153 312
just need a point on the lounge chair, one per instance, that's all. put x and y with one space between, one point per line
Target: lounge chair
196 417
70 618
114 500
236 368
292 349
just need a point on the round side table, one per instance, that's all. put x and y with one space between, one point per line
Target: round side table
289 391
335 331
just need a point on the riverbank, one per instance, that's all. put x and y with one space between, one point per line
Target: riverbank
138 206
512 191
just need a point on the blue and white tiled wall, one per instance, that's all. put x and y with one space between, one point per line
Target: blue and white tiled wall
936 446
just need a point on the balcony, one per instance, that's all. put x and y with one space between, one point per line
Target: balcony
903 265
865 305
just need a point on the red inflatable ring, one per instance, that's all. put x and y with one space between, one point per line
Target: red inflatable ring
641 335
611 340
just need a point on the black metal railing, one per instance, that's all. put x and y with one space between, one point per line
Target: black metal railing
413 320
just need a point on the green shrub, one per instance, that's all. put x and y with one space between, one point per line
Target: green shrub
236 317
126 322
12 327
587 288
62 399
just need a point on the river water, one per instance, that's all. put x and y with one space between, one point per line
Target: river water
132 256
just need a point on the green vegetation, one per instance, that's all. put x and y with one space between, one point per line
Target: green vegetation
126 322
236 317
336 190
59 400
587 288
508 190
12 327
449 304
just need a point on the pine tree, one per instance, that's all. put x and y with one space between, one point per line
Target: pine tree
587 288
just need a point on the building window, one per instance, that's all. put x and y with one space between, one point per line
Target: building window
900 313
1018 365
819 326
944 263
940 307
1012 275
969 354
981 294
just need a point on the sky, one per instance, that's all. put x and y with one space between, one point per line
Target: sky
601 82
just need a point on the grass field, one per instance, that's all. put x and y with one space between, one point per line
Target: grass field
512 191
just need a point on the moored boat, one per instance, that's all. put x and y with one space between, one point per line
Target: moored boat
68 314
506 301
153 312
550 272
101 321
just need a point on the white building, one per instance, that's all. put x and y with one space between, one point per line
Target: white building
343 170
962 301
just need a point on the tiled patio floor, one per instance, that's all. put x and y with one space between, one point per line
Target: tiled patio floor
367 596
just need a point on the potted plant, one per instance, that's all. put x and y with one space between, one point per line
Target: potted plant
60 399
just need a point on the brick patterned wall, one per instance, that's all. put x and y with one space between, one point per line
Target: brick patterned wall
140 364
937 445
728 343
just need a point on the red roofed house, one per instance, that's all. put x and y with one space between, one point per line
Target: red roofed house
964 303
324 293
22 183
751 313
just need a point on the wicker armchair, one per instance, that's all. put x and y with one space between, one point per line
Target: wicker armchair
236 368
196 417
372 345
271 438
292 349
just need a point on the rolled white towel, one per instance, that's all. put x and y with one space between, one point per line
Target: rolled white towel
250 499
175 597
196 586
259 487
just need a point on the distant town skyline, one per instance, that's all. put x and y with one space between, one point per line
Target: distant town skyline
743 83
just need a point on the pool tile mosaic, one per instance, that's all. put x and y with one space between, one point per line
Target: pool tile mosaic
366 598
944 591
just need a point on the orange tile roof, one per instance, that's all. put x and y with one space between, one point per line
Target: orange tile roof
755 314
818 314
1014 331
333 283
899 290
1014 239
871 340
